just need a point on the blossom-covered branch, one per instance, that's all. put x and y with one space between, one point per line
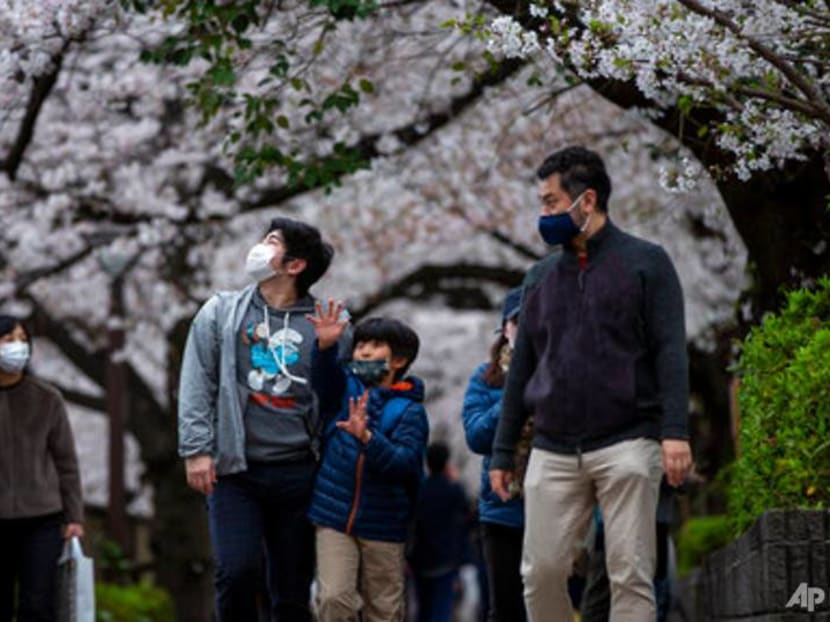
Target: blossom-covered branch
762 65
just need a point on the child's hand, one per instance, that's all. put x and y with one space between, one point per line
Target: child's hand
328 326
357 423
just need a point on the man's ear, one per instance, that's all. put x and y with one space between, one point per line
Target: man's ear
295 266
589 201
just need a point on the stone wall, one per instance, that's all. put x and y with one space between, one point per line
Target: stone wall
754 577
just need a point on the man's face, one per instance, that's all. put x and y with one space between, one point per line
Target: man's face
552 199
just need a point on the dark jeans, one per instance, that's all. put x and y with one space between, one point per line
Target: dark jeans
436 597
263 510
503 555
29 552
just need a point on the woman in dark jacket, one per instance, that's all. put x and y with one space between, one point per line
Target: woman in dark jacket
502 523
40 486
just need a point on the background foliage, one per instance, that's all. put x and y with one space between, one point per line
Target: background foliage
784 399
140 602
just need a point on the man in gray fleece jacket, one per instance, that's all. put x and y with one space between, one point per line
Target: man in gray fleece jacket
600 362
248 423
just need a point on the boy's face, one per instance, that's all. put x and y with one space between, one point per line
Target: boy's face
281 263
378 351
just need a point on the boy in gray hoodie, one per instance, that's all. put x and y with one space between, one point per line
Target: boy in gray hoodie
248 423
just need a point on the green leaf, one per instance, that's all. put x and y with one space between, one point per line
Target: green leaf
280 67
685 104
367 86
222 73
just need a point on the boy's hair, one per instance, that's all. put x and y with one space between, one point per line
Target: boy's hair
438 454
303 241
579 169
402 340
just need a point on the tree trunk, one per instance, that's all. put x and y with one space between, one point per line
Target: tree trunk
783 219
179 533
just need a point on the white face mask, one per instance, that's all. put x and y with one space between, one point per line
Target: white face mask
13 356
258 263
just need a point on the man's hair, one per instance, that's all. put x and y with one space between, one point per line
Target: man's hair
402 340
302 241
438 454
579 169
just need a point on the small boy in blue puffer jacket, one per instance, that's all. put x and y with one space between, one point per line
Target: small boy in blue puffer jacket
372 464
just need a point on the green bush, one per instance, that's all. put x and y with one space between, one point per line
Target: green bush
784 397
140 602
698 537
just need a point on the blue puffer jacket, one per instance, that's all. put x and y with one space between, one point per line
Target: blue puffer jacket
368 491
482 404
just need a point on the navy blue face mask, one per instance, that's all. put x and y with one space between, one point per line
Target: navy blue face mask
369 372
560 228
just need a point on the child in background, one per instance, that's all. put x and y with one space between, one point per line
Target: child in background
440 537
502 522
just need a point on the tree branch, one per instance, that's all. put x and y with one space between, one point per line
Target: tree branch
430 279
409 135
808 89
92 364
85 400
41 87
27 278
524 251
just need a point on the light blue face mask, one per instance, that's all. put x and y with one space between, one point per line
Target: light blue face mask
14 355
369 372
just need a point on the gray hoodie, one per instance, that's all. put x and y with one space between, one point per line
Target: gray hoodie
215 396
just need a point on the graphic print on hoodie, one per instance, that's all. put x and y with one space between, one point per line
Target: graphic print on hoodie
273 366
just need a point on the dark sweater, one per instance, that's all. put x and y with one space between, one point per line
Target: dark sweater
38 467
600 355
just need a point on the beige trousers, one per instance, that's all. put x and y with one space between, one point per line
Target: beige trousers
560 495
355 574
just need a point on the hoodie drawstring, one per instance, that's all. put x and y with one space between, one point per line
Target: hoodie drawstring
280 358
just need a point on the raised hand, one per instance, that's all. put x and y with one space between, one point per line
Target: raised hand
329 326
357 423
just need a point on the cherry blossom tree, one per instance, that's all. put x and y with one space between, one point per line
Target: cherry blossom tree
122 206
744 86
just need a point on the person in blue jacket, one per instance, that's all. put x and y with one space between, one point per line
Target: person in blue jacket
372 466
502 522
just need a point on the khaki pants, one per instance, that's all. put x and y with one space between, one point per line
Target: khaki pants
355 574
560 495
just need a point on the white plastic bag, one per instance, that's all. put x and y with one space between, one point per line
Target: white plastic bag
76 584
